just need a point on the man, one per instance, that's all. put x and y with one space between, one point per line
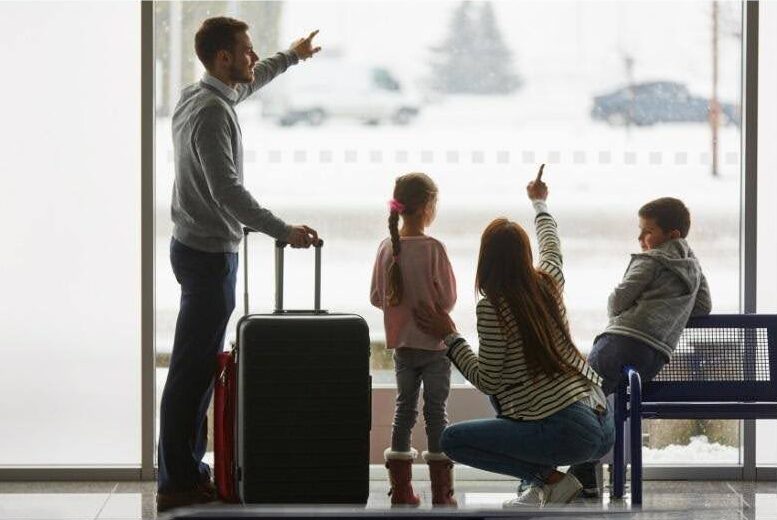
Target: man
209 207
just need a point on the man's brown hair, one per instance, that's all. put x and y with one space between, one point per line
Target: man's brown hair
669 214
216 34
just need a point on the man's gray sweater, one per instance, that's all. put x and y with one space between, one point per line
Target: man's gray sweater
661 289
210 204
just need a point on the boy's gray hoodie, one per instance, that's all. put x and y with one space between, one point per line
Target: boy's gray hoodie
661 289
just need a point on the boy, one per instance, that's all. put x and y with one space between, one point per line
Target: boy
662 288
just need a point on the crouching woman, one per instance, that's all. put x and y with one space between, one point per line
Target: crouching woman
550 407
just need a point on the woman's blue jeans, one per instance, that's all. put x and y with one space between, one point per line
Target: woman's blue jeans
531 450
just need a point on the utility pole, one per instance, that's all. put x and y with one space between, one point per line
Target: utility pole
714 107
628 63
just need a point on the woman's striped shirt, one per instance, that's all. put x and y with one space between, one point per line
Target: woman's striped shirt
499 368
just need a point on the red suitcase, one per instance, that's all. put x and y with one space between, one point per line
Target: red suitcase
224 406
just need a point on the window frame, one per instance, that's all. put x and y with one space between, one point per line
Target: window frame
746 470
146 470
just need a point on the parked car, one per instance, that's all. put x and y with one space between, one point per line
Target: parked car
329 89
646 104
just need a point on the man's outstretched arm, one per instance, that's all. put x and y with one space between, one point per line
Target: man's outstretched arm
269 68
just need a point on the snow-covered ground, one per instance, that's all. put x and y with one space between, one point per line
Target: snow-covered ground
698 450
481 152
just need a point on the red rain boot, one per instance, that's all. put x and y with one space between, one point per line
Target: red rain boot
400 468
441 475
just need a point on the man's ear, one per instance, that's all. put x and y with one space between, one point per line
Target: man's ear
223 56
674 234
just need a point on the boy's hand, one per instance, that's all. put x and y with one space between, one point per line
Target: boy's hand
303 47
536 189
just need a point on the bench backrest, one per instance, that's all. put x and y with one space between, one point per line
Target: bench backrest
722 357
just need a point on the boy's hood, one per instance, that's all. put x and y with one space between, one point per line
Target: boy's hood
676 255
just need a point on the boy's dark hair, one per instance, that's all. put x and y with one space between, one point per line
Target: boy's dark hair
669 214
216 34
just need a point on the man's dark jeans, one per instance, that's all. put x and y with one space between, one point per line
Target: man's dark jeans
207 283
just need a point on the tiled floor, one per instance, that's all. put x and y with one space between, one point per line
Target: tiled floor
663 500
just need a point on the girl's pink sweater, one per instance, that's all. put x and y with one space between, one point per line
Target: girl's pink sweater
427 276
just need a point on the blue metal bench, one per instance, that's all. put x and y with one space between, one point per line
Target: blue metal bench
725 367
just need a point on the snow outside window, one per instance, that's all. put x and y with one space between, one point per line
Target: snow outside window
485 92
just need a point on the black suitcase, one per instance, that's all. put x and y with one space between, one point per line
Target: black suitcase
304 402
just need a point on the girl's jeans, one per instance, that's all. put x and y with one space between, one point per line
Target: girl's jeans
413 367
531 450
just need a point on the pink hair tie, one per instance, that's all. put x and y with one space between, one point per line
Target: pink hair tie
395 205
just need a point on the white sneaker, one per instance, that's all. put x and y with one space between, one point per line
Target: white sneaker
532 496
562 492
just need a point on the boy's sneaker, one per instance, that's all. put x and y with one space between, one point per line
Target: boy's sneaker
585 473
562 492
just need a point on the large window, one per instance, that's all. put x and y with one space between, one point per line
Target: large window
625 102
69 213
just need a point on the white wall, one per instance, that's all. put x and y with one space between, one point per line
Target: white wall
70 234
767 195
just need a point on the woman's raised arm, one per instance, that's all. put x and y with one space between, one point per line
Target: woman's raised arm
551 260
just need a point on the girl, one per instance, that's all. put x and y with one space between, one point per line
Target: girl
551 410
410 268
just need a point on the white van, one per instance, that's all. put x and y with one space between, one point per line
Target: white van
326 89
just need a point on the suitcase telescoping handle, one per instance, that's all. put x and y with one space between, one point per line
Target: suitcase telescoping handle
280 245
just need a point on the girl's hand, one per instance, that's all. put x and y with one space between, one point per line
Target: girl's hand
536 189
435 322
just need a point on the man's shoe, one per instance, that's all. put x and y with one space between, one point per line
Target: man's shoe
209 488
586 473
202 494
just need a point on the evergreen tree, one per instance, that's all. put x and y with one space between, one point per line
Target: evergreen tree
452 65
473 58
495 58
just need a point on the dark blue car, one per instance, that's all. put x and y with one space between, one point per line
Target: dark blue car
645 104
